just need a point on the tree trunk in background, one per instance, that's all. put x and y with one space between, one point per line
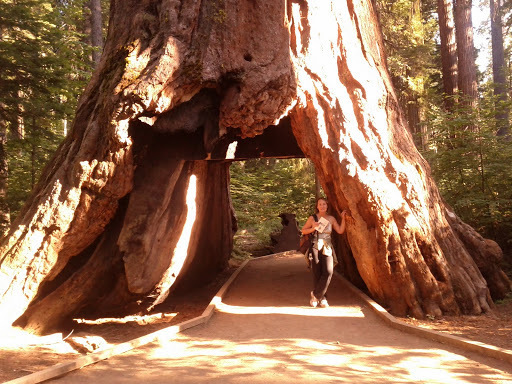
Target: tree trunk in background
120 217
318 187
499 69
413 119
5 217
465 53
96 29
448 51
412 101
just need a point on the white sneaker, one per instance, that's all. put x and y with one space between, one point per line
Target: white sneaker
313 301
324 303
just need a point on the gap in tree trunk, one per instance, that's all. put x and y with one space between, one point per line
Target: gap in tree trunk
248 239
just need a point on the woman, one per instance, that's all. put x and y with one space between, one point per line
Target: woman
324 257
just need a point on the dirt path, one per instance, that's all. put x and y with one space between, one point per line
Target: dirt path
265 332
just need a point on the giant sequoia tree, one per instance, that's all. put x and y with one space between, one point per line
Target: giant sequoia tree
136 200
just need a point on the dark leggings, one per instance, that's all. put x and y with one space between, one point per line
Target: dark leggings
322 273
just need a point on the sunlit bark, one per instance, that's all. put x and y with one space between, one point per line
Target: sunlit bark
162 61
407 251
158 234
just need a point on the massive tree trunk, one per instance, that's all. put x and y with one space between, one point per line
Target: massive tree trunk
133 203
407 247
448 51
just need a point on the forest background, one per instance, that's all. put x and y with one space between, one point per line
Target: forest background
48 50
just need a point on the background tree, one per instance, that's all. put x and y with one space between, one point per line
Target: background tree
45 68
96 29
409 30
5 218
499 69
448 51
467 82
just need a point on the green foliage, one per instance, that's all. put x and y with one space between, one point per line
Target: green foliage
42 61
28 156
45 61
470 164
262 189
410 29
472 167
507 299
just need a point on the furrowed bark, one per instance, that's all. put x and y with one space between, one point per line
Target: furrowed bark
348 121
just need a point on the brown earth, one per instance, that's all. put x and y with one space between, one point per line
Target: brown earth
22 354
17 358
491 328
494 328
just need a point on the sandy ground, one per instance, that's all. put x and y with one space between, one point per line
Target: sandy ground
265 332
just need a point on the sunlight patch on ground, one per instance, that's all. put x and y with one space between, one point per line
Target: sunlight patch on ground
449 368
15 338
419 366
306 358
301 311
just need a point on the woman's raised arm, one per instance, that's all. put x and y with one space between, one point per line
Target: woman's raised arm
340 228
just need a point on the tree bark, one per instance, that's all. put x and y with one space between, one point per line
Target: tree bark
159 232
413 119
170 52
499 69
465 53
409 256
448 51
120 205
5 217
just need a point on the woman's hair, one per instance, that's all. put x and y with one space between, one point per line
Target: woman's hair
316 203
